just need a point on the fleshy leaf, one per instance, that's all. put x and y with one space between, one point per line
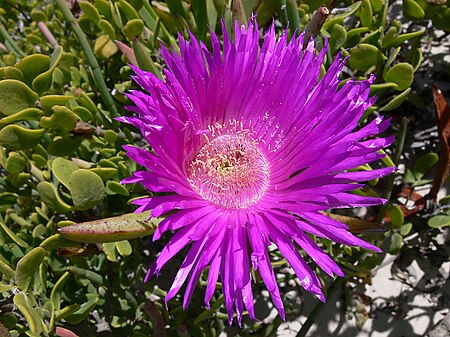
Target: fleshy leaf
15 137
87 189
51 198
28 266
114 229
15 96
402 74
63 169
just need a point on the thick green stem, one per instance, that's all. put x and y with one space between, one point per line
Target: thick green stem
9 41
319 307
396 159
293 17
148 15
91 59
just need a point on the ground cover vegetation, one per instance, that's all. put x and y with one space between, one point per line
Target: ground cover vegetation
64 72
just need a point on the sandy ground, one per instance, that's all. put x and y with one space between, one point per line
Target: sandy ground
398 309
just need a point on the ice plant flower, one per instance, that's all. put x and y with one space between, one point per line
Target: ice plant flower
249 146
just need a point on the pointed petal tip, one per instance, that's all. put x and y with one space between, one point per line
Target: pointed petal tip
239 319
376 249
339 273
230 319
151 272
147 276
322 298
252 316
156 236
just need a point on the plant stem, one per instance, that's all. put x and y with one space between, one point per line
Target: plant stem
293 17
48 34
396 159
9 40
319 307
148 15
91 59
314 26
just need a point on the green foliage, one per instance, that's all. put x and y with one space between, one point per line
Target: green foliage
62 159
438 11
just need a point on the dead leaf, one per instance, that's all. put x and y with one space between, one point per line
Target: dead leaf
409 194
443 123
357 225
63 332
314 26
83 129
84 250
4 332
155 316
237 9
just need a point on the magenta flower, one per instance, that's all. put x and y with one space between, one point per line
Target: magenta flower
249 146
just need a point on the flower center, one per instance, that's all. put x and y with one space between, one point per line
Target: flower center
230 170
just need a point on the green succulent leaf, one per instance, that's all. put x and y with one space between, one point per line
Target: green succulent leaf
28 266
105 47
63 169
365 13
61 119
124 248
104 173
15 137
13 235
33 65
424 164
43 81
15 163
32 114
404 37
107 28
123 227
113 187
439 221
64 146
143 58
38 15
396 215
129 10
47 102
396 243
87 189
15 96
338 36
12 73
66 311
401 74
25 306
364 56
406 229
51 198
412 10
90 11
396 101
6 270
133 28
416 59
84 310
